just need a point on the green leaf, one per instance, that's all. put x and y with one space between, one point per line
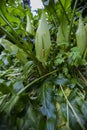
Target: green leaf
18 86
30 120
4 87
81 36
66 4
9 16
42 41
63 33
21 55
61 81
48 108
11 103
29 27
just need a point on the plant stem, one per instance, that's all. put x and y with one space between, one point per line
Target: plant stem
71 23
85 53
68 128
15 33
64 11
83 78
36 80
40 67
9 35
75 114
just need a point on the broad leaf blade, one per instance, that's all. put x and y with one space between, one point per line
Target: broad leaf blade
48 108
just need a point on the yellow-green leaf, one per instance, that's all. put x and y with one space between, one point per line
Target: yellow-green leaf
42 41
29 28
63 33
81 36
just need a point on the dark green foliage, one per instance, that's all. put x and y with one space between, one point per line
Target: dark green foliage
34 96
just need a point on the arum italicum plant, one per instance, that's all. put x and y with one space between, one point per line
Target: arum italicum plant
42 41
81 36
29 28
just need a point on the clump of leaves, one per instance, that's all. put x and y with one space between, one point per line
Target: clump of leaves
43 67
